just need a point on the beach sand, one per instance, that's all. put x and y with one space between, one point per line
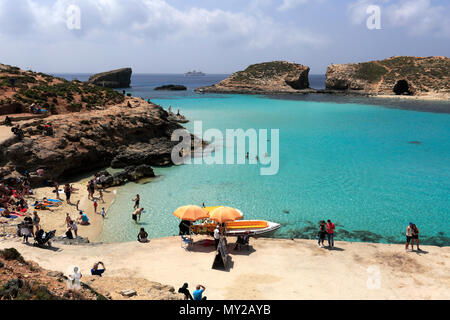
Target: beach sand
56 219
273 269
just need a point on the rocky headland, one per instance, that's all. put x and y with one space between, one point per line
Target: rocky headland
120 78
409 76
269 77
19 89
124 132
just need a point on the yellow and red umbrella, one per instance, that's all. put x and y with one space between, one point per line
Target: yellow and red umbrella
191 213
225 214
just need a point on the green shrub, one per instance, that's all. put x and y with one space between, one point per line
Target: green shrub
11 254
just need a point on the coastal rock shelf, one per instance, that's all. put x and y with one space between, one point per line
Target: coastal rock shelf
91 140
268 77
397 75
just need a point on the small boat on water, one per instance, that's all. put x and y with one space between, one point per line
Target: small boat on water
194 73
239 227
254 227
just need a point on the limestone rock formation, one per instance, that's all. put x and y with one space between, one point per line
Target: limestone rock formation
120 78
268 77
91 140
396 75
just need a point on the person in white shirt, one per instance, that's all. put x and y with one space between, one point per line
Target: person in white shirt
216 236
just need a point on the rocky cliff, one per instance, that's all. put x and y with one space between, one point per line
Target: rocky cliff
79 142
396 75
120 78
268 77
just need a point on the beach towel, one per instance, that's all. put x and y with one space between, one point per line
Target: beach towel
53 200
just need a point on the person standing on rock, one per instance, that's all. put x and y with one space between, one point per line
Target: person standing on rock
136 201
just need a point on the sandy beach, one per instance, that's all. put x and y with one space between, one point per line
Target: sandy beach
56 218
272 268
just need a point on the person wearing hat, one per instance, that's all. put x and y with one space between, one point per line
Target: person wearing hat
409 234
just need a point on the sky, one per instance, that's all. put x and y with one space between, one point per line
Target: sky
221 37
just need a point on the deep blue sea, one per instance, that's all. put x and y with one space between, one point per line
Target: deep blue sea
347 159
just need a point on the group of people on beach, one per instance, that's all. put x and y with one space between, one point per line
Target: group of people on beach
197 294
326 229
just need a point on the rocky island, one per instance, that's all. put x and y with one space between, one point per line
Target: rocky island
413 76
269 77
171 87
120 78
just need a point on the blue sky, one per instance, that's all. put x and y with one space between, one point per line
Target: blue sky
173 36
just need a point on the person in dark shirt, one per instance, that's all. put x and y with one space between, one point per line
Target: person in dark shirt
95 271
184 290
184 227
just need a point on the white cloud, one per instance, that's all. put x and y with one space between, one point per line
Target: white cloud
420 17
290 4
145 21
417 17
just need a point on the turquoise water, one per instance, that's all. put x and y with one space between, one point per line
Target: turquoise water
350 163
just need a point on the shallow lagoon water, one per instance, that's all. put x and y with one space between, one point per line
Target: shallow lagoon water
348 162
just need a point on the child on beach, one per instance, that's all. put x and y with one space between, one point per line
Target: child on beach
95 206
36 220
103 212
100 192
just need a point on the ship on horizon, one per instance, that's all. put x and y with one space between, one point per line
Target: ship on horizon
194 73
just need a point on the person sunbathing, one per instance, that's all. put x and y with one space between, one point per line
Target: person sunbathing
39 205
